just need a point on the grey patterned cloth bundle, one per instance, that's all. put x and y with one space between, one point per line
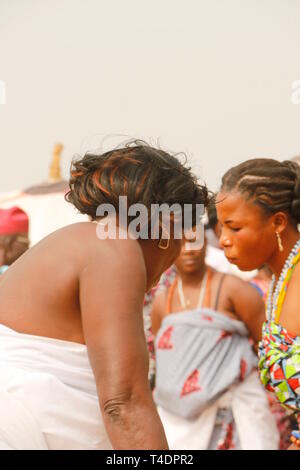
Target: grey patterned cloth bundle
199 355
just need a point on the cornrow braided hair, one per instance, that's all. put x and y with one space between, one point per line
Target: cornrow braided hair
143 173
273 185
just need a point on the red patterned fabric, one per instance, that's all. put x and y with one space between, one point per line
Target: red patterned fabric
165 339
228 442
191 384
243 369
207 317
224 334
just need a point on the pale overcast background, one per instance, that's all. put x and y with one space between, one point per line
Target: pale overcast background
212 78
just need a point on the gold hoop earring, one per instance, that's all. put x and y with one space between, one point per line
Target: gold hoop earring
163 246
279 241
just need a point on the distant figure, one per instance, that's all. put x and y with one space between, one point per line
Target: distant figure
14 241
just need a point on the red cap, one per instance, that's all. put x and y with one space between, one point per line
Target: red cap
13 220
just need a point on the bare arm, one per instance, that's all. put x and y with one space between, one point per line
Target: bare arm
248 305
111 296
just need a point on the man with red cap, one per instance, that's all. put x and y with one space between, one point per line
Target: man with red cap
14 240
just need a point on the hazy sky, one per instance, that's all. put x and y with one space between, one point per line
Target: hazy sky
212 78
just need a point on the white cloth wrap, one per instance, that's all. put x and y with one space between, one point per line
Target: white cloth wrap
256 426
48 397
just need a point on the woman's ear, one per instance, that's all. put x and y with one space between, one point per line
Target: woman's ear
280 221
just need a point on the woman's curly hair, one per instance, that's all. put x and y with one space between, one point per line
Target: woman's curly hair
144 174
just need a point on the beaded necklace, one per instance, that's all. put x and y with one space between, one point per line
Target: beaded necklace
276 297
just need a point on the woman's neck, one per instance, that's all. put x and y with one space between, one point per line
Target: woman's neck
277 262
194 278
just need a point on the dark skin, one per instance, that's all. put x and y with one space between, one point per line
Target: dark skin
238 299
92 293
249 241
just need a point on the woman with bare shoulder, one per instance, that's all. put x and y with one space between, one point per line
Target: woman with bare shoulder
73 358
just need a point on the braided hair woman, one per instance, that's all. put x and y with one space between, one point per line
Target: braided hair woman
259 210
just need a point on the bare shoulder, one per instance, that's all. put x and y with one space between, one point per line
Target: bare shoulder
123 257
81 242
238 289
233 283
247 304
159 301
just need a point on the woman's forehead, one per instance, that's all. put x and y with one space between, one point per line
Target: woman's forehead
234 206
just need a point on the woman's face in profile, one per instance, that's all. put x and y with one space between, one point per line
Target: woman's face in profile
247 234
